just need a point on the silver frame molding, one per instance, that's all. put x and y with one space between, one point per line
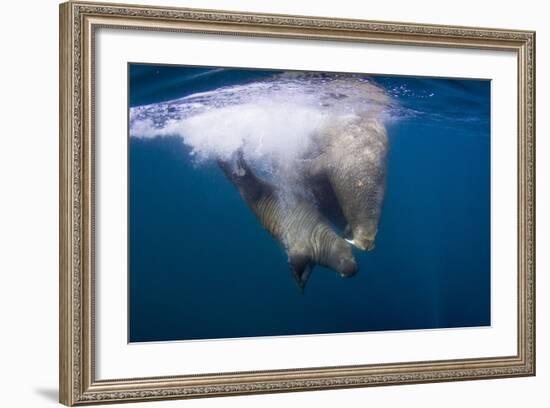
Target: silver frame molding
78 22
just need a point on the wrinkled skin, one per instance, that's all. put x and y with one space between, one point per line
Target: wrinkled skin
297 225
352 161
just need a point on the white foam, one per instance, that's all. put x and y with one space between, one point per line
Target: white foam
272 121
263 130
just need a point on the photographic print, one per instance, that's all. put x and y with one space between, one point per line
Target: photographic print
272 202
320 203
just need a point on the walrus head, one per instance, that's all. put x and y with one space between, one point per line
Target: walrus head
363 237
340 258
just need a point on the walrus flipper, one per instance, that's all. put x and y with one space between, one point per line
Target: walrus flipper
242 176
301 266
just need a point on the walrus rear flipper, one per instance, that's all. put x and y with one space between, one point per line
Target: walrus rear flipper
301 267
241 175
233 168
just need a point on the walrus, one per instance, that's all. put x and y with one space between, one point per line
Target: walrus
351 168
305 235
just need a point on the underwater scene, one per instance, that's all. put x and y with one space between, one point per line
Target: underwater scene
271 202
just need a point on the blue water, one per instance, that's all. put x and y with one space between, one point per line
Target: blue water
201 266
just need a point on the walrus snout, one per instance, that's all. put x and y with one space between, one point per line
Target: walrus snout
363 245
347 267
363 239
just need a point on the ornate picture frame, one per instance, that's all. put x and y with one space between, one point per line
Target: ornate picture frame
79 22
